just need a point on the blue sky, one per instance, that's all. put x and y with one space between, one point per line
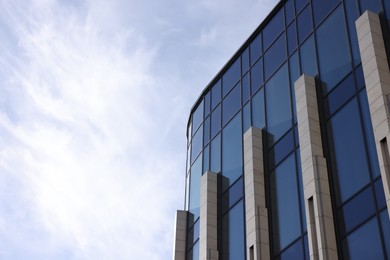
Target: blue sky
94 101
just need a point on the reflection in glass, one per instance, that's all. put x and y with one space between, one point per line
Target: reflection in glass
294 252
333 52
273 29
304 24
216 94
231 77
322 9
246 117
257 76
258 117
196 172
215 121
308 57
197 117
231 104
255 49
384 216
350 163
244 61
215 155
232 150
246 88
352 13
278 105
197 144
291 38
275 56
372 5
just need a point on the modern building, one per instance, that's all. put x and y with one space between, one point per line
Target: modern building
288 156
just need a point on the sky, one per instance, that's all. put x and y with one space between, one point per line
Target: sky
94 102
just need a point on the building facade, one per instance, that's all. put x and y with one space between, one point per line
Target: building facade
287 153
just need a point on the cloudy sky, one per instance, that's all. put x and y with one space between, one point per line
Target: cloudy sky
94 101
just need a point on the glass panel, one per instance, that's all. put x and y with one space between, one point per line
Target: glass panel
215 121
197 117
369 134
255 49
215 156
232 150
216 94
275 56
195 252
365 243
278 106
359 77
206 159
246 88
257 76
340 95
207 104
290 14
273 29
246 114
245 61
234 194
308 57
231 77
300 4
306 243
196 172
333 52
380 194
352 13
300 186
231 104
349 162
305 24
197 144
281 149
386 230
206 132
322 8
294 252
285 207
372 5
291 38
258 109
233 245
354 214
294 75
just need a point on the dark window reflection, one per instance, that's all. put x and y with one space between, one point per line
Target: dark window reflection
290 11
197 117
197 144
384 216
216 94
294 252
196 172
322 8
308 57
215 155
245 61
275 56
291 38
352 13
231 77
372 5
257 76
340 95
273 29
258 116
300 4
246 117
231 104
305 26
215 121
255 49
380 194
246 88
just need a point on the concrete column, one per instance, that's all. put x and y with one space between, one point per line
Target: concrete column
377 79
208 243
319 216
256 215
179 247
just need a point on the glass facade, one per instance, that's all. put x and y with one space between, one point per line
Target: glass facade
256 89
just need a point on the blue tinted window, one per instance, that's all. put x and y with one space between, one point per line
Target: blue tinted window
352 12
275 56
340 95
197 117
194 252
350 160
231 77
257 76
333 52
284 201
246 88
306 243
300 4
304 24
281 149
216 94
234 194
231 104
255 49
372 5
215 121
215 155
380 194
196 172
290 14
232 150
207 104
386 230
291 38
206 159
294 75
359 77
273 29
294 252
322 8
206 132
258 117
245 61
354 214
197 144
308 57
278 105
364 243
300 184
369 134
246 117
233 239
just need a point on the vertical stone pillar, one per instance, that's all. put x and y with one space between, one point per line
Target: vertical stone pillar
208 240
179 247
377 79
319 216
256 213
